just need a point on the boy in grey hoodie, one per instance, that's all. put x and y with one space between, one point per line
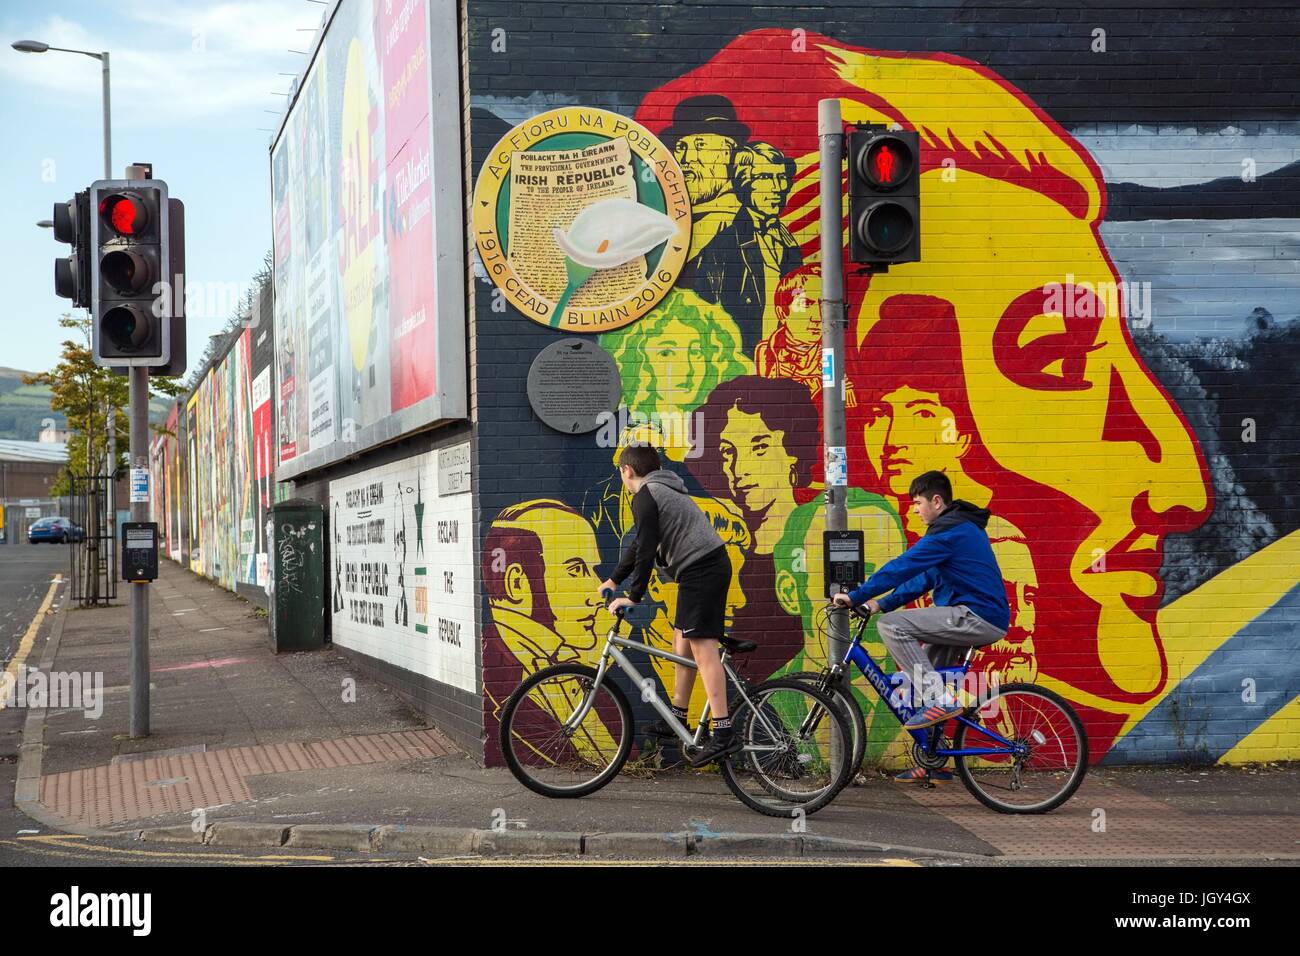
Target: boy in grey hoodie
672 531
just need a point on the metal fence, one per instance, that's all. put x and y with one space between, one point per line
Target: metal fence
94 556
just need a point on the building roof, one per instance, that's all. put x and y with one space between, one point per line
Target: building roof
55 452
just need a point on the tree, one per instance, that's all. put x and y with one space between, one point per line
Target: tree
86 394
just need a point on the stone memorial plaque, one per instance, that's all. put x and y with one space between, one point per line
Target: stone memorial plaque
571 383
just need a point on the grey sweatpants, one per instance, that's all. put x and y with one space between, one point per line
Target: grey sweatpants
909 633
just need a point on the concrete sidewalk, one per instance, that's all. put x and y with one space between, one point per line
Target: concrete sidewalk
253 748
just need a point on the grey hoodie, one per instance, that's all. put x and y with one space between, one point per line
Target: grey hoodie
670 529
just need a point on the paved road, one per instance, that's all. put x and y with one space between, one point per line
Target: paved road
25 574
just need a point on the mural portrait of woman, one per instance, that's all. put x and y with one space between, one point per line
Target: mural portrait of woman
1018 202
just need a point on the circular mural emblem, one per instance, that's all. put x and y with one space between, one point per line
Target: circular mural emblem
582 219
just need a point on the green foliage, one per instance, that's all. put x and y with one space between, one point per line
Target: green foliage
86 394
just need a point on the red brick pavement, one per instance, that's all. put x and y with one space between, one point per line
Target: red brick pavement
141 787
1136 826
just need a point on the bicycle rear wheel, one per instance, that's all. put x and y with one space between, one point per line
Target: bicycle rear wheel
1055 759
797 749
849 706
552 759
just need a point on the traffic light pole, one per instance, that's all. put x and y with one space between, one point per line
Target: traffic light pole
830 134
139 450
108 122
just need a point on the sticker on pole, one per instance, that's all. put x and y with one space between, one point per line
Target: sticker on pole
139 486
828 367
837 467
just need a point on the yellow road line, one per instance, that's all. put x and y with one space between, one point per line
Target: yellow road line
70 852
59 840
25 645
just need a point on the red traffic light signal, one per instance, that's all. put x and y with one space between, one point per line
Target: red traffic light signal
887 162
884 197
126 213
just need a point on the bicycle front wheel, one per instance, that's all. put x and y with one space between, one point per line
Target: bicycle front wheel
550 751
797 749
1051 766
843 695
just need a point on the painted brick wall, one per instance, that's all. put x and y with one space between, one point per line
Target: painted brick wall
1136 461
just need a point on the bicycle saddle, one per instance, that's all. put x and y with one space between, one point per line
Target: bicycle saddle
737 646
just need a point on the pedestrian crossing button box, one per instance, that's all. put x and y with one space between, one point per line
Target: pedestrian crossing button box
845 558
139 551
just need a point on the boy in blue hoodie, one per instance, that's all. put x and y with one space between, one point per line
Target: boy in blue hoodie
956 562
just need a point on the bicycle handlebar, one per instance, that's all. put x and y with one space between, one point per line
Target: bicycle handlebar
608 595
857 610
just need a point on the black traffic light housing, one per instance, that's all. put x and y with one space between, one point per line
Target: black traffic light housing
176 366
131 300
884 196
72 225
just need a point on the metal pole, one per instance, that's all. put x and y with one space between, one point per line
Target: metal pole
139 453
830 133
108 134
139 592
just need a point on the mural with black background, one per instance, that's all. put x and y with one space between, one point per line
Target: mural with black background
1156 146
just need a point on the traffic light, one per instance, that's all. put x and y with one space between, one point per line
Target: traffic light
72 225
130 272
884 197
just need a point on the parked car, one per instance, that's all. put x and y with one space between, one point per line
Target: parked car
55 530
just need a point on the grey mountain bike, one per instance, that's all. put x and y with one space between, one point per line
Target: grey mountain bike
568 729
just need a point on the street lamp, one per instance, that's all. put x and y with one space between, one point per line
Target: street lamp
36 46
46 223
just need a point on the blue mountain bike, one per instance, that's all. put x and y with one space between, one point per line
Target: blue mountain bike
1023 751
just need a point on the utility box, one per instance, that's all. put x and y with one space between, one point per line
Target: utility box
139 551
297 576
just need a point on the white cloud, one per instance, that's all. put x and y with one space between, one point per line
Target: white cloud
211 61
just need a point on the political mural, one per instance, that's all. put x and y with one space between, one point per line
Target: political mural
1016 357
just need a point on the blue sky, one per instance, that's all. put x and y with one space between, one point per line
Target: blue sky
191 82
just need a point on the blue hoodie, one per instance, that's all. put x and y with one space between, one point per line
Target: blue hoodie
954 559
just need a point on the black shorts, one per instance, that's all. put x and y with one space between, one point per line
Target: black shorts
702 589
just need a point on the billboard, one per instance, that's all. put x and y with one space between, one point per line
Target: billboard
368 236
402 555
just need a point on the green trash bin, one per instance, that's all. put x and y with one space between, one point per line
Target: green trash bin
297 580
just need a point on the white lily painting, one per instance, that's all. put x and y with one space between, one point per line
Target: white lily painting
605 235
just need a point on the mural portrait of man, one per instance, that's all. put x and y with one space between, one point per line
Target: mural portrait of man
802 591
539 571
792 344
1012 657
741 267
703 136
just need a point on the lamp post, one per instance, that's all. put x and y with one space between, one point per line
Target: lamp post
36 46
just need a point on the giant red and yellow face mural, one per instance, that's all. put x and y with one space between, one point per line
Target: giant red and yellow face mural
1002 358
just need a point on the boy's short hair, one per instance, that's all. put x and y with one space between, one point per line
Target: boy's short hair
930 484
642 459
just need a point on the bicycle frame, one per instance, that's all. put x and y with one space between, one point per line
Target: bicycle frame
879 680
611 651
